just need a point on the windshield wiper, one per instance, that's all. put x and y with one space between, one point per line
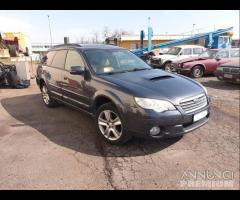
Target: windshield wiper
138 69
110 73
124 71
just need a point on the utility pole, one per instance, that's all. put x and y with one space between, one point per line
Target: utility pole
50 29
193 29
150 34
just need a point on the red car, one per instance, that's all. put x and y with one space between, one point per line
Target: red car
206 63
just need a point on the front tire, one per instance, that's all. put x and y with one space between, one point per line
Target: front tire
110 125
168 67
197 71
47 99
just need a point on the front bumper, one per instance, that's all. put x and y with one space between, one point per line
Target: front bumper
180 70
229 77
171 123
156 63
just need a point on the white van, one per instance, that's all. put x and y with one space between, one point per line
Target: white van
174 54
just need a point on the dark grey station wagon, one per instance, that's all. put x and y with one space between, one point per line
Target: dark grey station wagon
125 96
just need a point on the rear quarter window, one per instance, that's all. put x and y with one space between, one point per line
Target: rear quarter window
59 59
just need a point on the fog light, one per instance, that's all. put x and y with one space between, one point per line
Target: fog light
155 130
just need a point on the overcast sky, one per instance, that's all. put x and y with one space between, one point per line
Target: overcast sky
82 23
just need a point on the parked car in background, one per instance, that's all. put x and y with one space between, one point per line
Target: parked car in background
125 96
174 54
206 63
229 71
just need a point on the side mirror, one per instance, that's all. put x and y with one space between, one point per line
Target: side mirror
77 70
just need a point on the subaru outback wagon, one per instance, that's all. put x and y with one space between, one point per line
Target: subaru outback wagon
125 96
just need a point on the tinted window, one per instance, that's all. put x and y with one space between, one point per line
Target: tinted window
48 59
197 50
73 59
187 51
234 53
223 54
59 59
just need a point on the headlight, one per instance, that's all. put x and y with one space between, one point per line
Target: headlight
154 104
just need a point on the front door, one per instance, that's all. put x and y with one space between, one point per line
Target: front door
75 87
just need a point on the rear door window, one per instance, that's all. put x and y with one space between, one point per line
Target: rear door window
187 51
234 53
197 51
223 54
48 58
59 59
74 59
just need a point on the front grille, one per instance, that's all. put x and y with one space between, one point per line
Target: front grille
235 71
194 103
226 69
231 70
156 62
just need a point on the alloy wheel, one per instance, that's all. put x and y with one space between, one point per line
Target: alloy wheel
197 72
45 95
110 125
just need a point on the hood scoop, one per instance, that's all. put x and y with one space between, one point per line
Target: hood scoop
156 78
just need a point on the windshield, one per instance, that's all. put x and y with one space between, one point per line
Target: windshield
108 61
174 51
208 54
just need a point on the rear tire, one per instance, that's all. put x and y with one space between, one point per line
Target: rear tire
197 71
110 125
47 99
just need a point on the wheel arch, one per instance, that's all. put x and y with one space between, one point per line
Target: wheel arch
41 83
167 61
102 97
201 65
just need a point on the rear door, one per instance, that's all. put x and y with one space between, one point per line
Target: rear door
53 72
75 87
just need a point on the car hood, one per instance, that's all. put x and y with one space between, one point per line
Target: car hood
155 84
164 56
234 63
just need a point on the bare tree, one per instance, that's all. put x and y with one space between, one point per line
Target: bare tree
96 36
119 33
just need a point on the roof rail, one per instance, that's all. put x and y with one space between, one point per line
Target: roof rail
66 45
